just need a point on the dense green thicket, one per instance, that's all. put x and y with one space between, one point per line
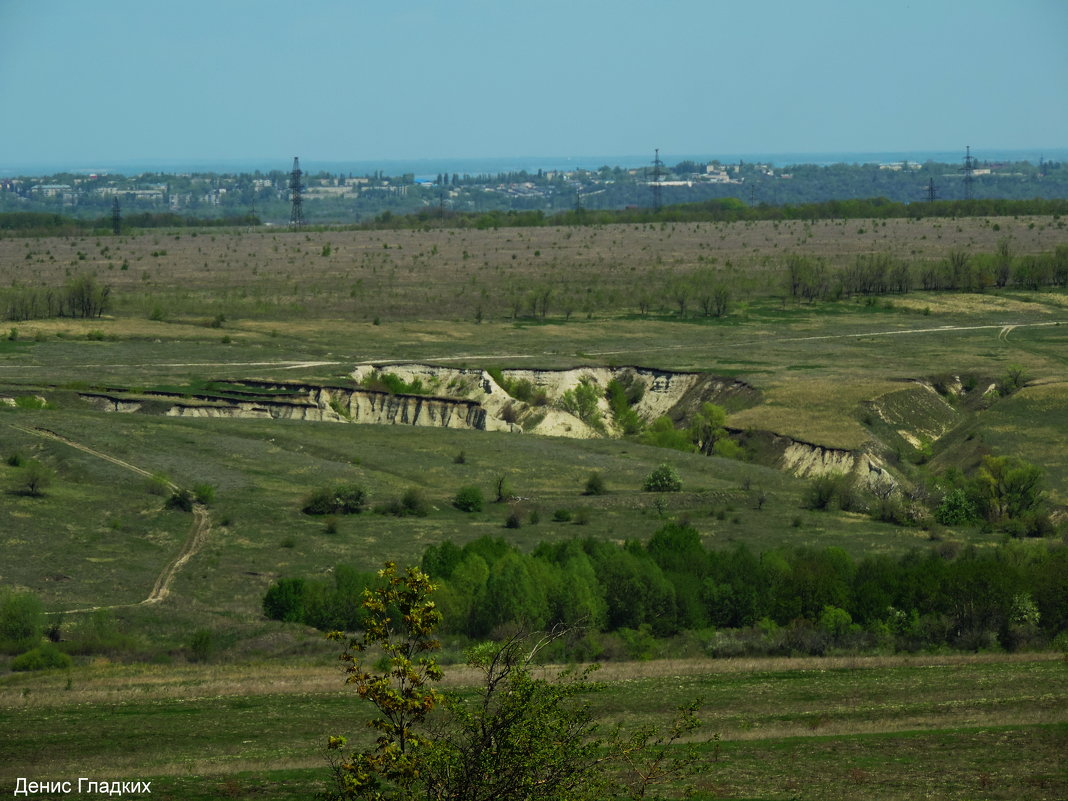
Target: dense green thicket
800 600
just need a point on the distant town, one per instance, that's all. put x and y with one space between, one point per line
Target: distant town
347 198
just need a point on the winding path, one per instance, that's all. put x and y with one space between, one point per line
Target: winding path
198 533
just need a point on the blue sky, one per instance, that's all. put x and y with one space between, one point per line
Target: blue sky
84 81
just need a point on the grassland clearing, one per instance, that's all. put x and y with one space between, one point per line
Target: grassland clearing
195 312
949 727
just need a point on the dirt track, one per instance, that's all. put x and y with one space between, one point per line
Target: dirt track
197 535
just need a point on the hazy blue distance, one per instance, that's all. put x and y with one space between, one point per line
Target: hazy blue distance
85 84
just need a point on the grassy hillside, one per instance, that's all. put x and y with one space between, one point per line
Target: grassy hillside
944 728
910 381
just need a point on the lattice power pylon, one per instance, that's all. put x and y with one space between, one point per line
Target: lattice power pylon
968 169
296 188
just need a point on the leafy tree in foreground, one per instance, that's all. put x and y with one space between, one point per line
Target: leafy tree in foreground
519 736
400 621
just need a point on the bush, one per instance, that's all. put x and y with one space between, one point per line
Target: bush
157 485
662 433
664 479
957 509
203 645
595 484
832 491
621 396
285 600
413 502
582 402
35 479
469 499
97 632
204 494
342 499
43 657
562 515
21 620
181 499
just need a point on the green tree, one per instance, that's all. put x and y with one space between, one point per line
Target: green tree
400 621
521 735
1009 487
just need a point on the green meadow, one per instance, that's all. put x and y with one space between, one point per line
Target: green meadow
198 692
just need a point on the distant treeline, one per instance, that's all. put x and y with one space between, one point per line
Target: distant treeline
803 600
717 210
33 223
82 296
726 210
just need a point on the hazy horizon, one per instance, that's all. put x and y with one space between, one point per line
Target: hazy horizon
475 165
128 82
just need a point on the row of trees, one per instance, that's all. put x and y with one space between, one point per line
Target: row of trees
421 208
1009 596
82 296
811 278
710 293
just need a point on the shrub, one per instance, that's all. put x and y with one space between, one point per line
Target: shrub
832 491
342 499
203 645
562 515
35 479
181 499
204 494
394 384
622 394
595 484
469 499
285 600
43 657
957 508
662 433
582 402
31 402
21 620
664 479
414 502
514 519
504 489
509 413
460 458
157 485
